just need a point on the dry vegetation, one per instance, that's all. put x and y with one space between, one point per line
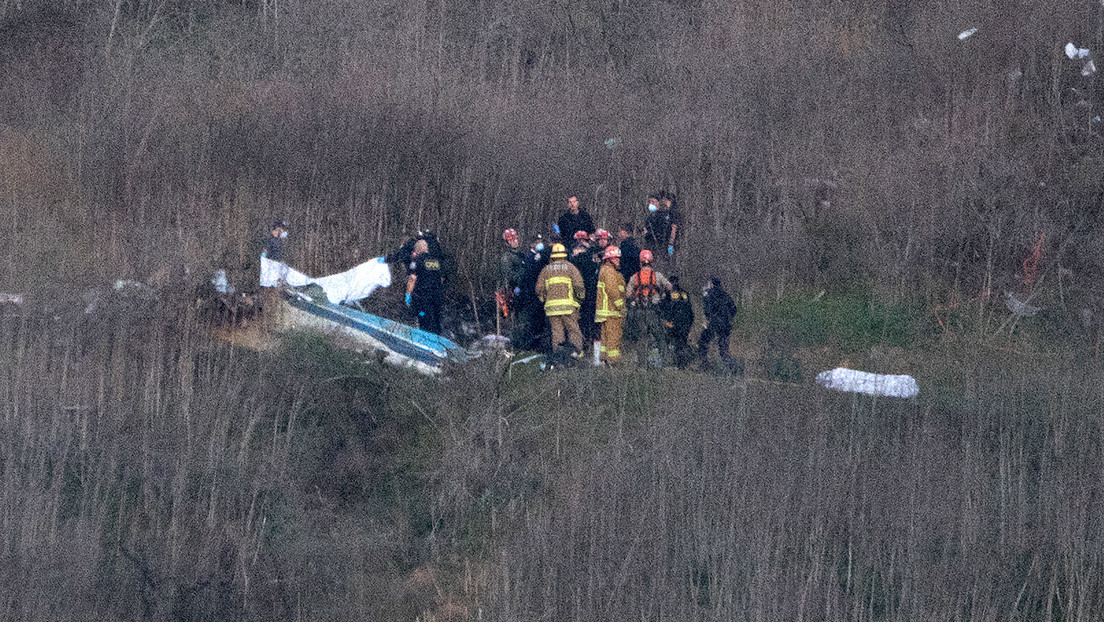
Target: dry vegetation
859 148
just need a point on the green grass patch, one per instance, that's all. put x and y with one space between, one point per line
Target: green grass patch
850 322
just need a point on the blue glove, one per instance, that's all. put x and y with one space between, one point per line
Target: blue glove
421 314
556 228
409 299
517 291
671 250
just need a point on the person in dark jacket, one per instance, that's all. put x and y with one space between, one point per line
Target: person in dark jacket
574 219
678 317
581 258
630 251
274 243
529 324
719 309
424 289
511 267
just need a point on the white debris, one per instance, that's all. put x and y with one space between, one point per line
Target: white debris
1074 52
221 283
348 286
1018 305
966 34
612 142
854 381
1015 74
1089 68
15 299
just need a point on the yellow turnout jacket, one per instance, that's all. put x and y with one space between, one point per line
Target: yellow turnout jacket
560 287
611 294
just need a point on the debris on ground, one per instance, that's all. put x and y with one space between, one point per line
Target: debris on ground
854 381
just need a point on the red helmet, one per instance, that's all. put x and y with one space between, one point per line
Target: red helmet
509 233
601 233
611 253
645 256
582 235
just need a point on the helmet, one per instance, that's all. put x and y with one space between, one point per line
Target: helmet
509 233
581 235
601 233
612 253
645 256
558 251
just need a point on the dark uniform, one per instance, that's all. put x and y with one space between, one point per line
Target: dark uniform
678 317
428 290
529 324
719 309
657 235
630 258
511 268
570 223
584 261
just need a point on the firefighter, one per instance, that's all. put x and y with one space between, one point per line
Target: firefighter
424 287
677 314
560 287
645 291
609 310
719 309
511 267
601 240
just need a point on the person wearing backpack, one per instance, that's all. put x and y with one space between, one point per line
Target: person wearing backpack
644 291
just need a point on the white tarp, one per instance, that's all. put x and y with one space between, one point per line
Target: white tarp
854 381
346 286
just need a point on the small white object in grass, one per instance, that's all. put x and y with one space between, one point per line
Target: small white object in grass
612 142
1015 74
855 381
15 299
1074 52
966 34
1089 68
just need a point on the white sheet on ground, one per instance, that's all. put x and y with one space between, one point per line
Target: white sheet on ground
347 286
854 381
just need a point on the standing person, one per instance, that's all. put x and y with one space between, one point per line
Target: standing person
719 309
663 224
424 288
511 267
601 239
560 287
275 241
574 219
529 319
609 311
678 318
645 291
630 252
581 259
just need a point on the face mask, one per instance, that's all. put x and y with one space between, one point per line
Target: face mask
283 234
540 246
652 207
705 290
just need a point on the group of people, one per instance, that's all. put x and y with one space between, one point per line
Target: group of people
584 287
581 287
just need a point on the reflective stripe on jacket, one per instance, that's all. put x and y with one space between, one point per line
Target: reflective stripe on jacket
560 287
611 294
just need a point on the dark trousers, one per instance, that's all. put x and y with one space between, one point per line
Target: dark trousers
680 342
429 315
720 333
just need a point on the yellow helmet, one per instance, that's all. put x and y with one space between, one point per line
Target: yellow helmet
559 251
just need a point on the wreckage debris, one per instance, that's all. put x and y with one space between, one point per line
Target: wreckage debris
854 381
